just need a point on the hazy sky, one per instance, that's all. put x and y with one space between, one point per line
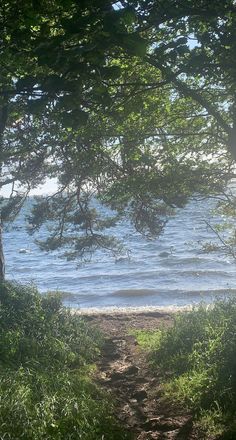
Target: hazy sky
48 188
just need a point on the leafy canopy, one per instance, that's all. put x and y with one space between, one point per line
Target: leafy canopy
131 101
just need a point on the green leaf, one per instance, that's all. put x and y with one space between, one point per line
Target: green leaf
134 44
74 119
129 16
111 72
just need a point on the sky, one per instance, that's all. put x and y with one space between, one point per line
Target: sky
49 187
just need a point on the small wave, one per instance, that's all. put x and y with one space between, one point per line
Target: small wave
173 293
134 292
24 251
201 273
176 260
211 292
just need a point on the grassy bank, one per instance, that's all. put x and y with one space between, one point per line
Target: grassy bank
197 359
46 356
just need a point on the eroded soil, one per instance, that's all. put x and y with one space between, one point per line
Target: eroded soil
123 371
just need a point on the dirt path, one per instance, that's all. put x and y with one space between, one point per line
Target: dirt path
124 372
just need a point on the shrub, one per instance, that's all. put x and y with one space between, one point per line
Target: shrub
197 358
45 358
36 329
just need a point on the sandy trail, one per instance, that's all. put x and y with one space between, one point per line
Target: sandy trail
123 371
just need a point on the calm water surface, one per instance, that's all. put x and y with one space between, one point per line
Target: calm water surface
171 270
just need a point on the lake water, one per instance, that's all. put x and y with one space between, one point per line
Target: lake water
171 270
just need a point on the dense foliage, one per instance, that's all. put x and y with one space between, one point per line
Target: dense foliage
131 101
46 354
197 361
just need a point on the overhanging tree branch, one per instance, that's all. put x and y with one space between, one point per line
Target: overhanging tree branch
187 91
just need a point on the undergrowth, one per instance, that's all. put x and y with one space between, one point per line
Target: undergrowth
46 355
197 360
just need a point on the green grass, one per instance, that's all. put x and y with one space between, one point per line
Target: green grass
46 355
147 339
197 360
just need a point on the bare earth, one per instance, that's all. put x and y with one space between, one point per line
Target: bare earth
123 371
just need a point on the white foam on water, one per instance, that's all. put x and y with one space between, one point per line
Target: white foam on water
131 310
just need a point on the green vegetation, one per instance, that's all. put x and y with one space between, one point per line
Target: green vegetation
46 355
197 359
147 339
131 101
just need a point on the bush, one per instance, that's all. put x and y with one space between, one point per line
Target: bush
37 329
45 358
197 358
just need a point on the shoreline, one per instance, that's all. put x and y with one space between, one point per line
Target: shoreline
128 311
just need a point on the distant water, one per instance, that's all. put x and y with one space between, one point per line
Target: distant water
171 270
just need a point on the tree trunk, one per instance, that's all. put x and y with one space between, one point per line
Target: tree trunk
2 260
3 121
232 135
